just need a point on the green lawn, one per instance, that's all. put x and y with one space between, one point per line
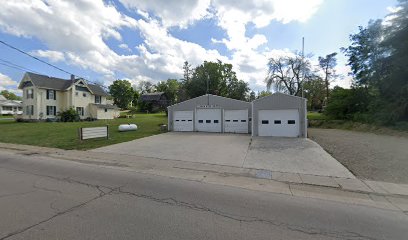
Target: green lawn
315 116
65 135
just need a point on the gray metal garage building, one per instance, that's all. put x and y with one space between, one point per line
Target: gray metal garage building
275 115
210 113
280 115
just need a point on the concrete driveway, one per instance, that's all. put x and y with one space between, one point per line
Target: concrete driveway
293 155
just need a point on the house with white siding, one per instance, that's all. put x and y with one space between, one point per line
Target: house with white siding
44 97
10 107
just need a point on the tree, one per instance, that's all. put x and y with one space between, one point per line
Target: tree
286 73
365 53
170 88
327 65
187 71
263 94
145 87
252 96
315 92
9 95
216 78
122 93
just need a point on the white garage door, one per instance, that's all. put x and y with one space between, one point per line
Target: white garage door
280 123
236 121
208 120
183 121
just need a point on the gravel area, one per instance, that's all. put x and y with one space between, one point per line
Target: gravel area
366 155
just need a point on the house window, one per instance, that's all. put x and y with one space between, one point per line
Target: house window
30 110
80 111
51 110
98 99
7 108
265 121
106 110
291 122
277 122
51 94
83 94
30 93
76 93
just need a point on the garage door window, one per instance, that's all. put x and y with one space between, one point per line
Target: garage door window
243 120
265 122
183 120
277 122
291 122
177 120
200 121
208 121
228 120
235 120
190 120
215 121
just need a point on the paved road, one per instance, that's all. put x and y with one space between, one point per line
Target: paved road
44 198
367 155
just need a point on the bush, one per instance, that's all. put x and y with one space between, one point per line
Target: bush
69 115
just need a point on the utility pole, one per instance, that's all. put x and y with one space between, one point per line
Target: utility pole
303 63
208 86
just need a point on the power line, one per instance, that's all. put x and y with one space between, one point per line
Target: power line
8 63
45 62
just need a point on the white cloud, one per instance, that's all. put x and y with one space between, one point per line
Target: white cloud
53 56
76 32
6 83
124 46
171 12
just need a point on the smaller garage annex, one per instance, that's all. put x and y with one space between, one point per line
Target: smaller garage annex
210 113
280 115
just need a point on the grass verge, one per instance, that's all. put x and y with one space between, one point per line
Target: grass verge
65 135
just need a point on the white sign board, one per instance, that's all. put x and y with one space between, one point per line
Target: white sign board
95 132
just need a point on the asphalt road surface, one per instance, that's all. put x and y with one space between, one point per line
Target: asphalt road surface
44 198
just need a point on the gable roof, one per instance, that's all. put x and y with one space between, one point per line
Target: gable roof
155 96
42 81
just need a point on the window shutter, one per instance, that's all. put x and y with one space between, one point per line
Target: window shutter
48 108
55 95
55 110
48 95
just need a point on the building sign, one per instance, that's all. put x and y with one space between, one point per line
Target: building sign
208 106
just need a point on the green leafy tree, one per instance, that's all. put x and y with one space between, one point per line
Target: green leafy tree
216 78
252 96
315 93
9 95
122 93
170 88
263 94
347 103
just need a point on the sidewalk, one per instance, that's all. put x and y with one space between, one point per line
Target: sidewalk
355 191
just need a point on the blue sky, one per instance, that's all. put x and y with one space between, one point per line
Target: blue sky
149 40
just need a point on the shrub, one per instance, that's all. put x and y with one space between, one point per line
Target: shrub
69 115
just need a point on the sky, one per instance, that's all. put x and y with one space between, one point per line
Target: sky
140 40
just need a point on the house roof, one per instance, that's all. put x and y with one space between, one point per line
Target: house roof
42 81
2 98
155 96
108 106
